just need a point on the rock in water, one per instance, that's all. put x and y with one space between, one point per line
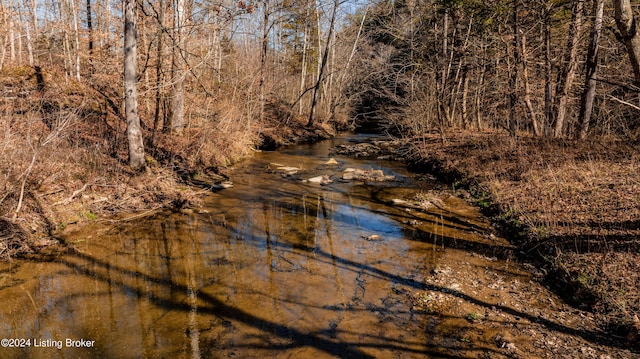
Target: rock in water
332 162
373 237
324 179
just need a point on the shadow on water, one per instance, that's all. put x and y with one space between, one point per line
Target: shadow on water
272 268
322 340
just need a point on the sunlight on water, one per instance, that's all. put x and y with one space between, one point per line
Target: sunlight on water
273 267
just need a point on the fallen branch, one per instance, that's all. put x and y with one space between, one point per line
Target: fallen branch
70 198
58 190
624 102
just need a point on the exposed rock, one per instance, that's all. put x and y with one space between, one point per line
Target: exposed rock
222 185
358 149
208 180
331 162
373 237
366 175
324 179
382 149
286 170
348 176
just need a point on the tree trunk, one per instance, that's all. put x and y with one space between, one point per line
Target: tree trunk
465 97
263 54
567 73
513 81
76 35
626 22
134 134
325 56
5 41
90 31
178 69
12 35
548 68
27 35
586 105
159 56
303 65
527 88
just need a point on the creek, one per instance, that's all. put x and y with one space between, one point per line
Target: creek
272 267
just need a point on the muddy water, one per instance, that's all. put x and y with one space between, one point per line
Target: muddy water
273 267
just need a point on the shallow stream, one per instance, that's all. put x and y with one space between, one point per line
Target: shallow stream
273 267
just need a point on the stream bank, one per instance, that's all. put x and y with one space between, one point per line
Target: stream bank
570 209
357 267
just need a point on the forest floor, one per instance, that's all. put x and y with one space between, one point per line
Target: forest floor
571 208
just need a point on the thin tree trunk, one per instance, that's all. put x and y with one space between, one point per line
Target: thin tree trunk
481 88
68 61
586 105
513 81
303 65
3 10
345 70
19 46
567 74
325 55
465 96
629 29
4 51
106 31
527 88
263 54
12 34
548 68
445 30
34 34
90 30
76 36
159 56
178 69
134 134
27 35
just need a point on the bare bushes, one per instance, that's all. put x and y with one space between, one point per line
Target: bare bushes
219 133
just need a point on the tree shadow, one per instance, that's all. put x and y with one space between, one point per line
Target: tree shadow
322 340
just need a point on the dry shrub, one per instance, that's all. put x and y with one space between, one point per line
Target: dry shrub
64 156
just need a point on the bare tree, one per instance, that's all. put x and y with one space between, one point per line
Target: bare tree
325 56
76 36
134 134
527 88
586 105
548 70
513 80
178 67
567 73
90 31
628 27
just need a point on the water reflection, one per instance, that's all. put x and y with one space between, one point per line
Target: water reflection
271 268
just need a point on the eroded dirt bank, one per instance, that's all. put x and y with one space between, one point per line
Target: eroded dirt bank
571 209
353 266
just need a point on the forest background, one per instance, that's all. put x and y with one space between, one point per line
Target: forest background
531 106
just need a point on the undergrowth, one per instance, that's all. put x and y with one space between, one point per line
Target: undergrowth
64 154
